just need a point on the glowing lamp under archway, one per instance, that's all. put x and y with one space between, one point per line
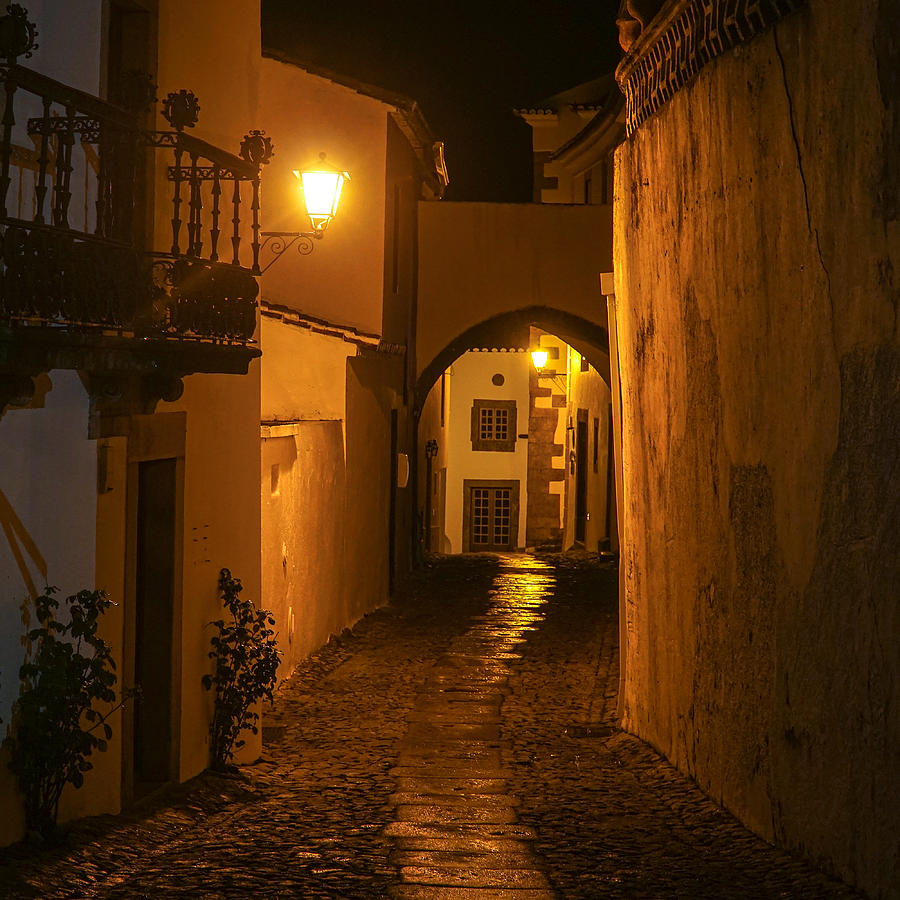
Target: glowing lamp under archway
539 358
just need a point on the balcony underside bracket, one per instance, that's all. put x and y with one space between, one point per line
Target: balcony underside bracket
124 376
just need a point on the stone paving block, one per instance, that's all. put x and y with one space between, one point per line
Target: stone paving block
451 693
518 856
470 843
487 757
454 772
453 813
435 892
449 732
458 679
486 831
440 716
444 709
464 798
441 786
473 876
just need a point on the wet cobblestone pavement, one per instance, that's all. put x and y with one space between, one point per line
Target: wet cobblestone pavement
460 743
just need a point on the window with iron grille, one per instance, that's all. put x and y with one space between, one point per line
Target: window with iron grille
494 425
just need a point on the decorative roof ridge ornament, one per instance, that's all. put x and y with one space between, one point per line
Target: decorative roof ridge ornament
17 34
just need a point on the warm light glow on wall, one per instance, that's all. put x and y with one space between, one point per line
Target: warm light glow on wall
322 186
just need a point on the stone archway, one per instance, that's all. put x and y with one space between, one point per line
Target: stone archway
504 331
590 339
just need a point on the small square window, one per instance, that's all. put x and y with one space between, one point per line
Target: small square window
494 425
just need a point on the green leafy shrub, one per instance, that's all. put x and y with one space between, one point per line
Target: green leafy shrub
246 665
55 727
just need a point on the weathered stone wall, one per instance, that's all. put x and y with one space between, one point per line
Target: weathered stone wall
756 242
546 447
542 523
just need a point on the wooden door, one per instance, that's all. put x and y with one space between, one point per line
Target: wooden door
154 609
491 515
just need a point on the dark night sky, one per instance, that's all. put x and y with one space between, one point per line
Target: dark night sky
467 63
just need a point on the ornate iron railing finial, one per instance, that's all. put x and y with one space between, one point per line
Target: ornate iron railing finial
256 148
17 34
181 109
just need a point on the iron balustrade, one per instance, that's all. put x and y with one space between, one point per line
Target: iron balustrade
73 175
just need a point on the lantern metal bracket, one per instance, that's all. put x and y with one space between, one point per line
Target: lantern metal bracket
278 242
560 379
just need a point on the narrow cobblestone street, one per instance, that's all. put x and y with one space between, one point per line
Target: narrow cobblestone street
460 743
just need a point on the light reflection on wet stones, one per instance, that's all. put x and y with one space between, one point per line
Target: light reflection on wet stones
483 711
481 656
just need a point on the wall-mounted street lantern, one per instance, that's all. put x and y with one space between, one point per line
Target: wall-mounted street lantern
539 358
321 184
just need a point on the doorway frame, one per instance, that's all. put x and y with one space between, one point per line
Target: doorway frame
468 485
152 438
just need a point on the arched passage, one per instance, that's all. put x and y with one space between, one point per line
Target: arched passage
559 461
507 329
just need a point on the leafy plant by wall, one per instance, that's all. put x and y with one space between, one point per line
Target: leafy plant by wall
55 726
246 665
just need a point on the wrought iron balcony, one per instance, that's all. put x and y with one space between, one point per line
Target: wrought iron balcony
74 264
81 286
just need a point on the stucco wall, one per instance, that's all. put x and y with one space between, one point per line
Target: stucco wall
302 374
303 497
48 513
477 260
365 525
588 391
213 49
221 529
471 380
756 242
305 115
325 513
221 490
304 505
433 425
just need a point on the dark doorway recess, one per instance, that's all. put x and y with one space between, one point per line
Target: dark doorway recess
429 501
610 483
581 468
392 511
154 613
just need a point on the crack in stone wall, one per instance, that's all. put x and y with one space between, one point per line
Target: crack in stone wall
814 232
